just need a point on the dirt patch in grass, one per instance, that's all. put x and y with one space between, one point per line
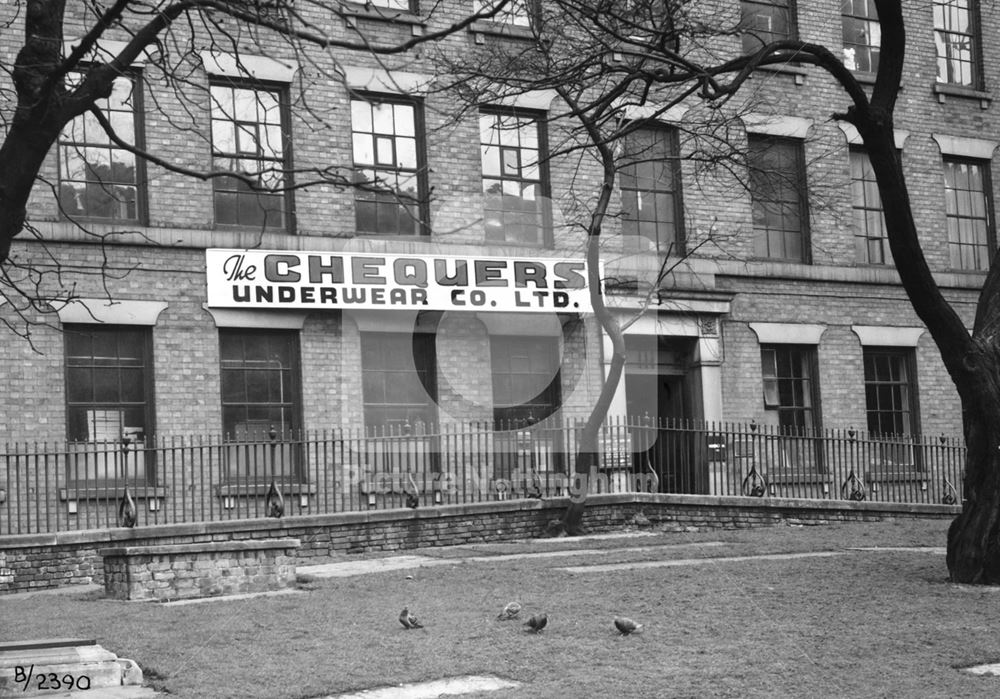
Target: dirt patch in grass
860 624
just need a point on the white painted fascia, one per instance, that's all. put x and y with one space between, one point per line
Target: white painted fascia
887 336
854 138
788 333
397 82
964 147
113 312
105 50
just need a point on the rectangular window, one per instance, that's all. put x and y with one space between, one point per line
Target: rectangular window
525 379
870 242
765 21
889 392
778 197
968 211
108 401
398 379
650 187
862 35
514 185
388 163
261 413
404 5
249 134
890 399
788 372
97 178
956 38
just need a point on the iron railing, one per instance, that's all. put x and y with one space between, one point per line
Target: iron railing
55 487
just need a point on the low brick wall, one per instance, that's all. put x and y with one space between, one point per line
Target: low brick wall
37 561
186 571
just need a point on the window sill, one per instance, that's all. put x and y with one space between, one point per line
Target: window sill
365 11
907 474
797 478
138 491
482 27
260 488
945 90
797 72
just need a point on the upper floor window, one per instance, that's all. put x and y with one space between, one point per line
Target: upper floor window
650 187
403 5
765 21
862 35
956 37
249 138
971 239
870 240
514 186
778 198
387 165
97 178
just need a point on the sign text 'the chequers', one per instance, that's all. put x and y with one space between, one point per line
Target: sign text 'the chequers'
289 279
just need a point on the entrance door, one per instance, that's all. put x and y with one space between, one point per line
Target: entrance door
658 401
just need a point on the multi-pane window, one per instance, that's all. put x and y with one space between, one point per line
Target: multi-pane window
525 379
955 35
788 372
889 392
398 378
967 209
778 198
107 394
387 168
765 21
650 186
404 5
97 178
870 240
260 384
108 400
515 12
862 35
513 179
248 138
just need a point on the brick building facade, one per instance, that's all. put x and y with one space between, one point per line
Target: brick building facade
793 317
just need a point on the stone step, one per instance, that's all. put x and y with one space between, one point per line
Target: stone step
56 666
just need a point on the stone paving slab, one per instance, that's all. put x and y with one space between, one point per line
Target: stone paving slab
230 598
611 567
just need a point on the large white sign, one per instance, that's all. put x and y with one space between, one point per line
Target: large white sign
287 279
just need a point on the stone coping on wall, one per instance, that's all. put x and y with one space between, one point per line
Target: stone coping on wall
209 547
121 536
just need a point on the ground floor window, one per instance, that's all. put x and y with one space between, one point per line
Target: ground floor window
398 378
790 400
890 400
260 398
109 402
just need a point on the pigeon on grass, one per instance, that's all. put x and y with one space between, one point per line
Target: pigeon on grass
626 626
510 611
537 622
409 621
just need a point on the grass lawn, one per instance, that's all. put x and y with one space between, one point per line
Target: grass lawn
857 624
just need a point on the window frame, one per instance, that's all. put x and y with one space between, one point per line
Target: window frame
543 210
863 250
805 355
134 75
668 136
102 448
872 50
421 226
801 188
750 36
909 413
281 89
421 345
974 36
989 246
522 416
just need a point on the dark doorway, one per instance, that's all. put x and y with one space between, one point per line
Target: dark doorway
658 390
